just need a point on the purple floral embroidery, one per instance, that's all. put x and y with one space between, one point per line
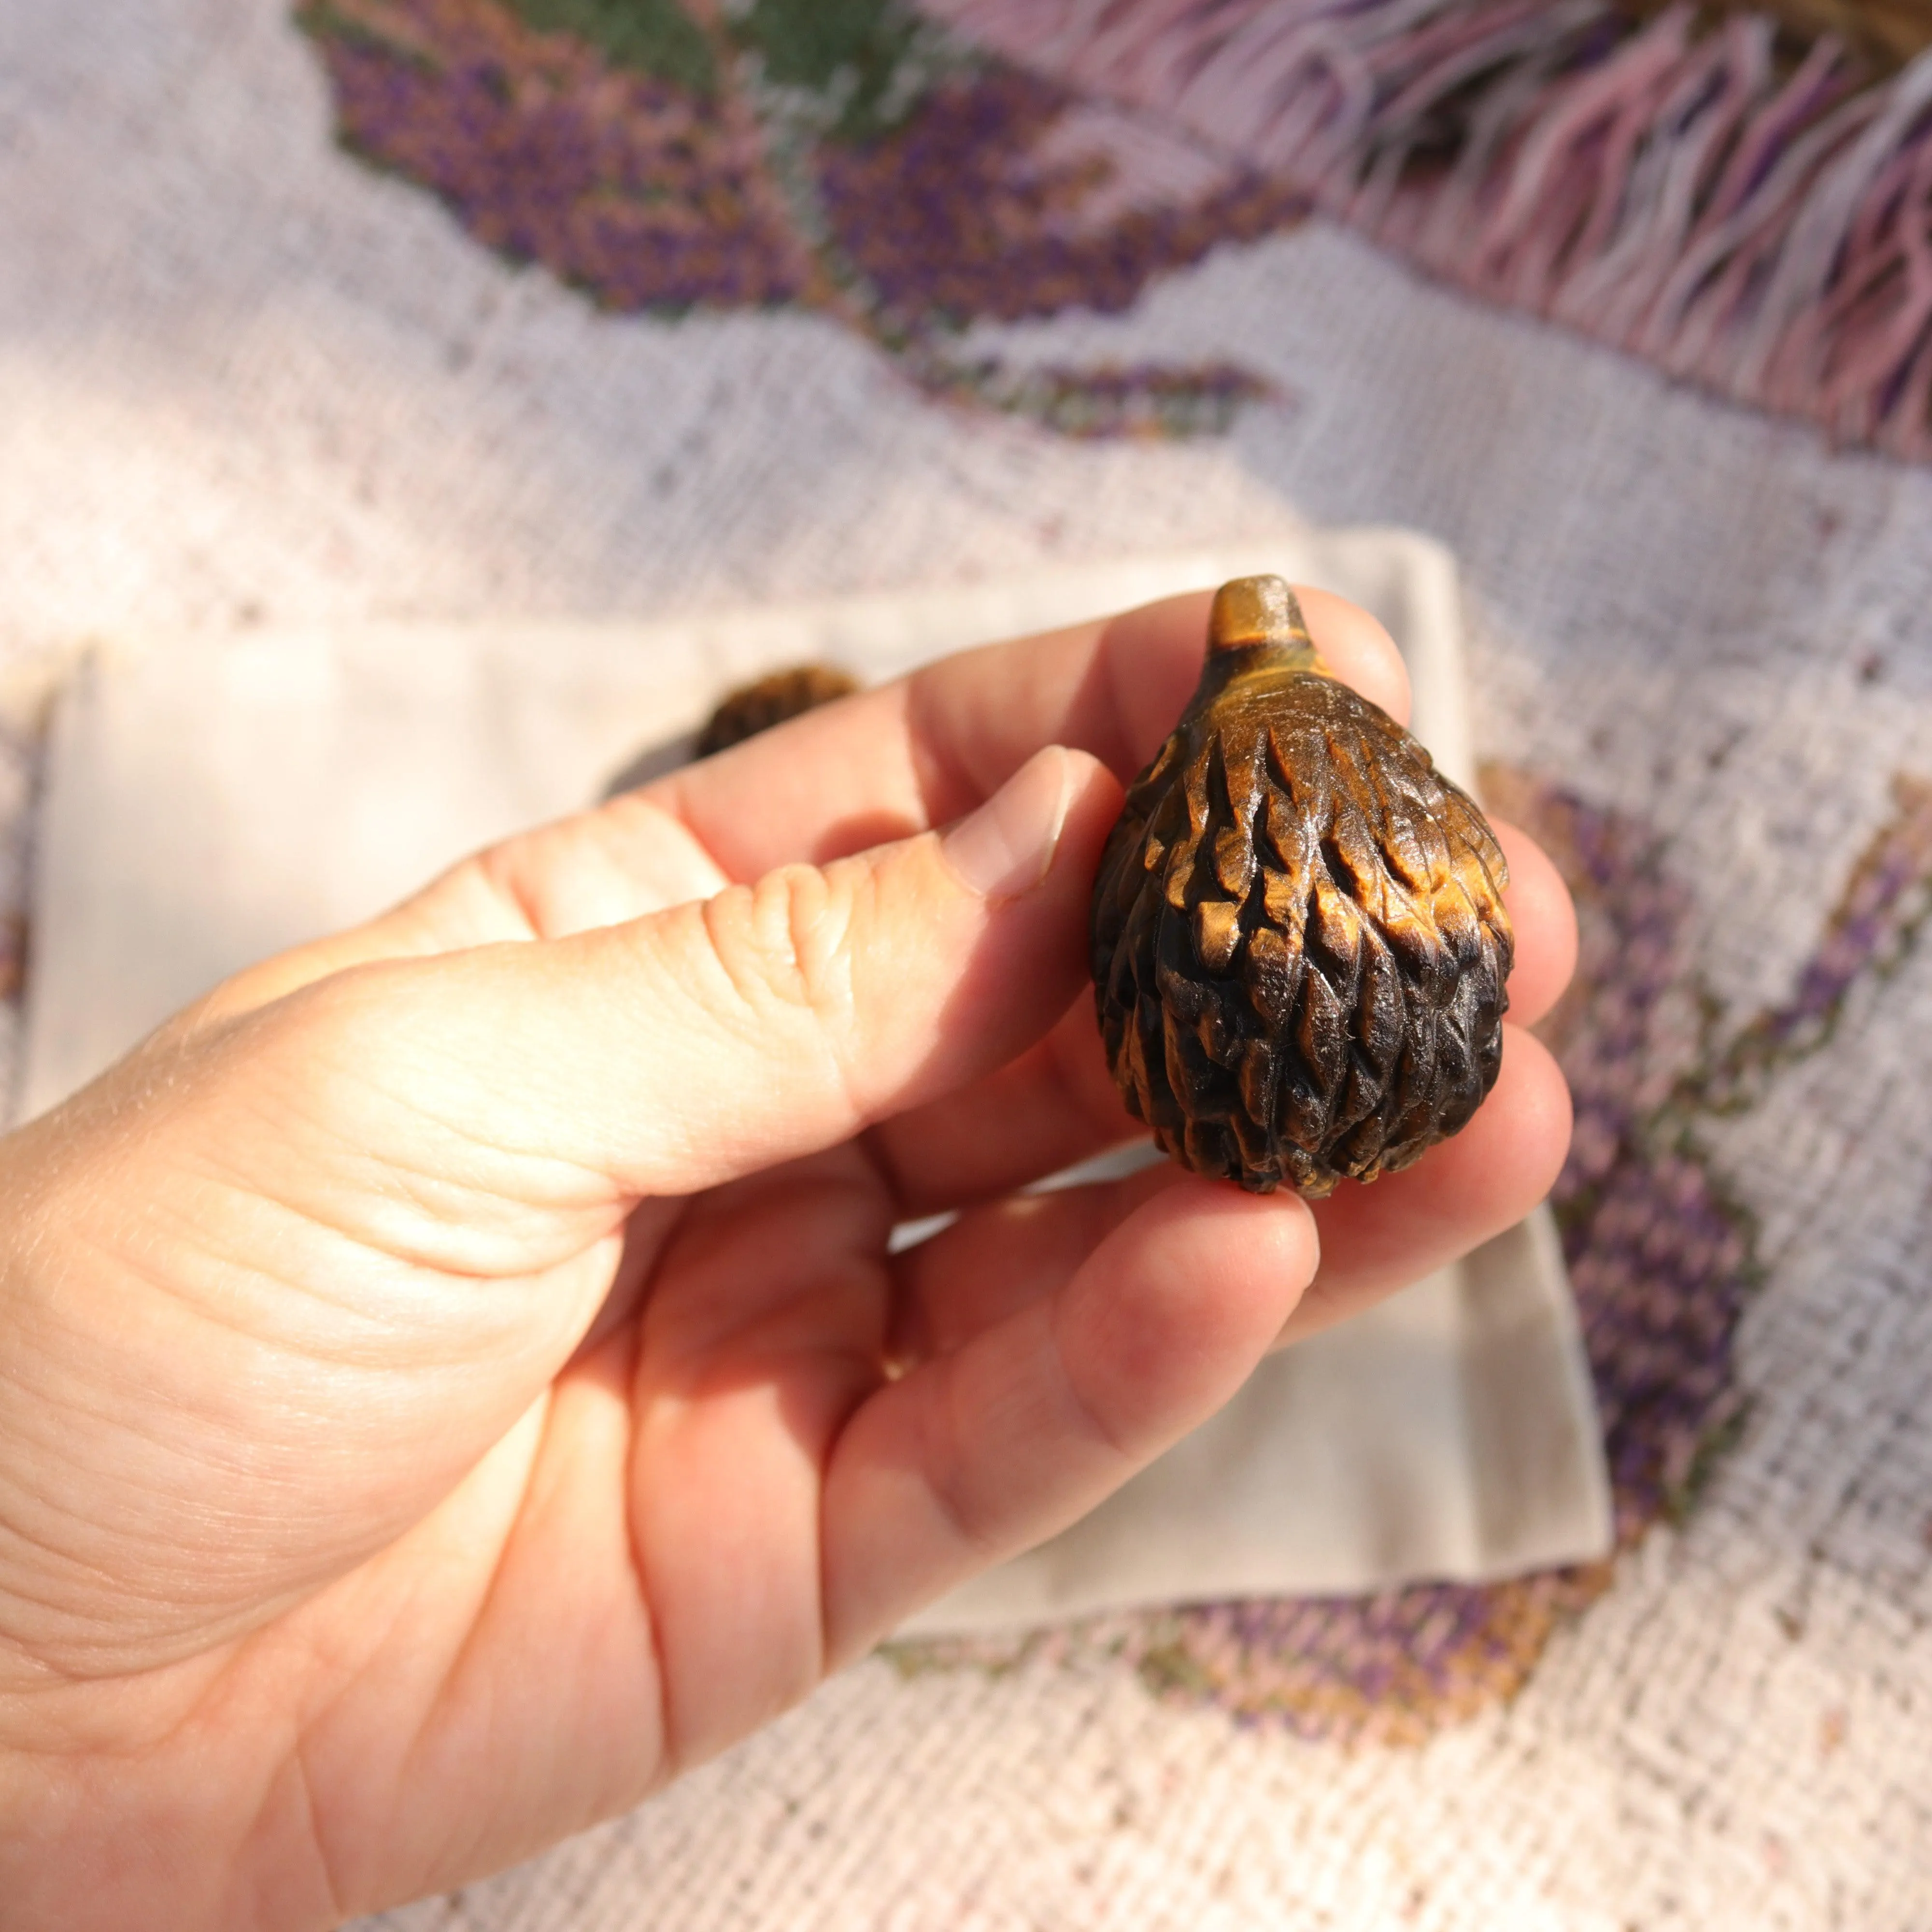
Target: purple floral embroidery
592 149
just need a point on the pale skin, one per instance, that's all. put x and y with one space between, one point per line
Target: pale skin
452 1379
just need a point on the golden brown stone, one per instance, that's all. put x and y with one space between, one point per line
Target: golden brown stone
756 707
1299 941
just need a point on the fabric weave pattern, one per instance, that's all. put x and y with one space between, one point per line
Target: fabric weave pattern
247 376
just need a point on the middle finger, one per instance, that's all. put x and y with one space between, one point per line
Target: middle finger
1057 1104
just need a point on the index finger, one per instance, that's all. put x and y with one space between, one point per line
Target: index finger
917 753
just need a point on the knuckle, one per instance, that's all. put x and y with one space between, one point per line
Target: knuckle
969 1513
785 942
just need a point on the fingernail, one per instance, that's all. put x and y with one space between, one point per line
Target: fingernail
1006 847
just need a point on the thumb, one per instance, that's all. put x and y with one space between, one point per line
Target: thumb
774 1019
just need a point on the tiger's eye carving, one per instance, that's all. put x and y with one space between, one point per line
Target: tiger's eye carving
1299 941
784 694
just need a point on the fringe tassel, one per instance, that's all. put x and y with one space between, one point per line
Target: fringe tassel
1666 186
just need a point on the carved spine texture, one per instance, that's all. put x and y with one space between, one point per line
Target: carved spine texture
1299 941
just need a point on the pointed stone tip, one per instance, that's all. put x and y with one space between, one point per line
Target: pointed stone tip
1253 610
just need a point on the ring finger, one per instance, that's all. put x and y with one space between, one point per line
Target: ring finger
1000 1257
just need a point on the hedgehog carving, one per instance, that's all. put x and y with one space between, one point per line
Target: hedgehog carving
1299 941
773 700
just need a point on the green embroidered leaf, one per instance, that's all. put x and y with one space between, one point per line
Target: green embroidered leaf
325 22
655 37
871 58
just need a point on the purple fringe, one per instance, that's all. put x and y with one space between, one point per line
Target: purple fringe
1667 187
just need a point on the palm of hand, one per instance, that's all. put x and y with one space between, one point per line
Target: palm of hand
500 1562
461 1529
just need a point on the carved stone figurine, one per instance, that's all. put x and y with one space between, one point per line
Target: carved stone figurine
1299 941
772 699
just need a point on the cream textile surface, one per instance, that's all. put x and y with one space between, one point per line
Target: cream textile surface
207 804
243 380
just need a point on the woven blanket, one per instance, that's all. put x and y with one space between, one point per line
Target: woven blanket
450 308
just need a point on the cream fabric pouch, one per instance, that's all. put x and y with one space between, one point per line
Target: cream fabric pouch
209 802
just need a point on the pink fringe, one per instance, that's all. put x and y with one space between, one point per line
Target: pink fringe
1658 187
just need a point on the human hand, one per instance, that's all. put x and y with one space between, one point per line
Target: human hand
452 1379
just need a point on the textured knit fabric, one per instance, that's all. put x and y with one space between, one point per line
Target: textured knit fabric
244 377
